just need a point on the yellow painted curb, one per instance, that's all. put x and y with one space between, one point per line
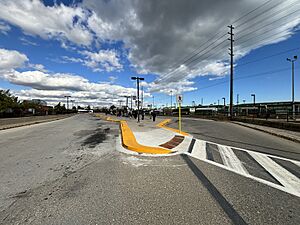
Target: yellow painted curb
129 141
163 124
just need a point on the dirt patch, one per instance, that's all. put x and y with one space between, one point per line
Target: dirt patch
98 137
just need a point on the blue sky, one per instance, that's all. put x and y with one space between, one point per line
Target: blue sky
90 49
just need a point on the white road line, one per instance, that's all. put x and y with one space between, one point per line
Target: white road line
231 160
199 150
296 162
286 178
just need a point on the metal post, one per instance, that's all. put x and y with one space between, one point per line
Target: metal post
153 101
224 106
293 89
231 69
171 98
293 83
138 98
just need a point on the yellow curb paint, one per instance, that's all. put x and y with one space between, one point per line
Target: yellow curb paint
163 124
129 141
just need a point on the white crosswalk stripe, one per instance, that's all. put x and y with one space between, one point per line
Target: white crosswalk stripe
286 178
290 183
231 160
199 151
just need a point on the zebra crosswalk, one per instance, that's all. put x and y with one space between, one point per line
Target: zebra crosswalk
278 172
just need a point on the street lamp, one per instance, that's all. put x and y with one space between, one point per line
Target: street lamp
253 95
224 100
138 93
67 96
171 97
293 83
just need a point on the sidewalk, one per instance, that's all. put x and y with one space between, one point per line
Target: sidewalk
286 134
148 134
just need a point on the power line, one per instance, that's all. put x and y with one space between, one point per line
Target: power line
256 16
266 25
188 63
267 57
262 5
248 76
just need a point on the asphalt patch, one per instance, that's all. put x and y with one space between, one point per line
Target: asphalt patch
98 137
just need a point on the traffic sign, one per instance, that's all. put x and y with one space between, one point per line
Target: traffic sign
179 99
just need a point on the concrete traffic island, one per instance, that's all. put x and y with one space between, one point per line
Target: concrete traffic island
148 137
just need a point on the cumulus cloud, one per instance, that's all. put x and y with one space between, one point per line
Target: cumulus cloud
11 59
159 34
103 60
52 87
60 21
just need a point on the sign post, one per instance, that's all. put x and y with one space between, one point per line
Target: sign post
179 101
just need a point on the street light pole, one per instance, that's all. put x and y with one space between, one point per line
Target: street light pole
153 102
293 83
138 93
67 96
171 98
224 105
253 95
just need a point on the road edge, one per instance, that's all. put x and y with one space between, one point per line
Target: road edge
269 132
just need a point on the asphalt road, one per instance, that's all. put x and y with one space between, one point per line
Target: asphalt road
104 186
238 136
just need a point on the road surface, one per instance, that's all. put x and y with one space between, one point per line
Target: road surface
70 172
231 134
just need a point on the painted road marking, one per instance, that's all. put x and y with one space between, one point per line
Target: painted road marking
288 165
286 178
282 175
199 150
231 160
253 167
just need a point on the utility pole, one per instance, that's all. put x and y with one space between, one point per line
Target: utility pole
231 69
138 93
142 102
293 83
171 97
67 96
202 101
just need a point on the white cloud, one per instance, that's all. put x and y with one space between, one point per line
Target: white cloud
60 21
107 60
103 60
11 59
25 41
52 87
157 34
38 67
4 28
